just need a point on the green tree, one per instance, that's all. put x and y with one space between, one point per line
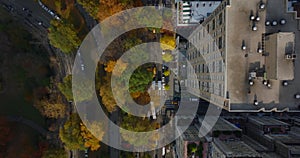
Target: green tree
136 124
149 17
54 153
192 148
167 57
66 87
131 42
140 80
63 36
91 6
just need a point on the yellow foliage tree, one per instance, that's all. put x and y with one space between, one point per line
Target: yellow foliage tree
167 57
91 141
109 66
106 95
167 42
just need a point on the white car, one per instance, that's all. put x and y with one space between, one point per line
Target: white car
159 85
51 12
153 111
163 151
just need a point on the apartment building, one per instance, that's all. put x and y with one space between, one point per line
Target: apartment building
239 62
277 136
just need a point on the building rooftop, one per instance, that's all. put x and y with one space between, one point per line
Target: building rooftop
267 121
236 149
194 12
240 63
191 134
220 125
270 155
278 45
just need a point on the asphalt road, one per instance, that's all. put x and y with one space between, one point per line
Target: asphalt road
33 13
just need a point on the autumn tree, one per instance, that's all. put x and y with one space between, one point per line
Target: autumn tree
91 6
167 42
167 73
50 103
66 87
63 36
77 137
91 141
106 95
51 109
54 153
111 66
108 8
167 87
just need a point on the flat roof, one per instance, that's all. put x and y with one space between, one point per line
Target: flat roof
271 155
238 29
236 149
278 45
266 121
220 125
288 139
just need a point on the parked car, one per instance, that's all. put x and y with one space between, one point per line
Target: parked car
86 153
159 84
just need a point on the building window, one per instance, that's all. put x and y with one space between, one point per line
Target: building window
220 19
220 43
207 28
220 65
213 24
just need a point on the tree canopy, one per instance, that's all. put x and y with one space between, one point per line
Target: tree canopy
66 87
91 141
51 109
167 73
77 137
54 153
167 42
167 57
63 36
106 95
91 6
136 124
140 80
70 133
